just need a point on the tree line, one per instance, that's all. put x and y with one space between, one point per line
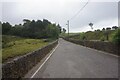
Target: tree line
33 29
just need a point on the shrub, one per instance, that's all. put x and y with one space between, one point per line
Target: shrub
102 38
116 37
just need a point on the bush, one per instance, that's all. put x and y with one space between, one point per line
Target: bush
116 37
102 38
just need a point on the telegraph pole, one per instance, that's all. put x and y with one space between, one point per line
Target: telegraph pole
68 27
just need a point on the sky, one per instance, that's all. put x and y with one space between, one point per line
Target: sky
102 13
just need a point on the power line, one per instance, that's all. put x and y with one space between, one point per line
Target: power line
79 10
76 15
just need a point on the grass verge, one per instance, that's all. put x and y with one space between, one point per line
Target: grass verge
20 46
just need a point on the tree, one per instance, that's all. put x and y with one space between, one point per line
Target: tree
46 23
64 30
39 25
6 28
108 28
52 31
98 30
91 25
32 26
33 29
103 29
16 30
26 23
59 27
114 27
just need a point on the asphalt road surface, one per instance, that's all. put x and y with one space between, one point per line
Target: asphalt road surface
74 61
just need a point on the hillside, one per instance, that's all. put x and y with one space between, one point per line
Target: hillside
93 35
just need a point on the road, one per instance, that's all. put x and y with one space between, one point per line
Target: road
74 61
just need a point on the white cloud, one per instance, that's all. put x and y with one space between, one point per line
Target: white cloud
59 11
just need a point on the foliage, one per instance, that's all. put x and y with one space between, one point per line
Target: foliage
114 27
52 31
6 28
82 36
41 32
91 25
102 38
116 36
64 30
99 35
32 29
8 40
108 28
17 46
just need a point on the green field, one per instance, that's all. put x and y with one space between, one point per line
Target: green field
16 46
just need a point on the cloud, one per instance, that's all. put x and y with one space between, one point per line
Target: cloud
101 13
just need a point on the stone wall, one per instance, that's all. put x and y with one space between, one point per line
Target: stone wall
99 45
21 65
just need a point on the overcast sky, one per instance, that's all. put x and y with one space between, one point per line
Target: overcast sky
103 13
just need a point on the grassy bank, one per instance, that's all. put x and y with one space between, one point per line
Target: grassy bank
16 46
92 35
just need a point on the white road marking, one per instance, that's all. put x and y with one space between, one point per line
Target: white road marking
45 60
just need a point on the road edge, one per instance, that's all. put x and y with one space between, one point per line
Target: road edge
42 64
96 50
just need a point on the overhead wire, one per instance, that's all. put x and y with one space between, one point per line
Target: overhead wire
80 10
76 14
